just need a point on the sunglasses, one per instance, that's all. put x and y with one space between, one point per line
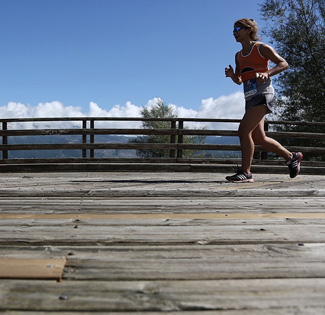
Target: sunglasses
237 29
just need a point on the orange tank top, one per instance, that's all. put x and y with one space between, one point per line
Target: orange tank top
252 63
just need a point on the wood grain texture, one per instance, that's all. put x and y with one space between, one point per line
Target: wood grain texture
138 243
31 268
163 296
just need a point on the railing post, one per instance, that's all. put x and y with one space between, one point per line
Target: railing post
180 139
4 140
92 138
172 152
84 138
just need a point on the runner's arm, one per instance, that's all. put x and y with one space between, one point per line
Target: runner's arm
280 63
233 74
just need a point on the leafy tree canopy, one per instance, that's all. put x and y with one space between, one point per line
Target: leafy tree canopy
296 29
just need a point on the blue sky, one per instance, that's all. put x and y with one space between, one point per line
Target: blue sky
110 53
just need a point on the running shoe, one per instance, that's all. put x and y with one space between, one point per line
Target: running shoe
294 164
241 177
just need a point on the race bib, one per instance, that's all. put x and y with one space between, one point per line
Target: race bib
250 87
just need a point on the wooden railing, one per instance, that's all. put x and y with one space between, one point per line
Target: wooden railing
87 131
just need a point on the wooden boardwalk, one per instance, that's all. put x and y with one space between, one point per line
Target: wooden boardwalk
182 243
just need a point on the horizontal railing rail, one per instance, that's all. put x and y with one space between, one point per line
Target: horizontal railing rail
87 130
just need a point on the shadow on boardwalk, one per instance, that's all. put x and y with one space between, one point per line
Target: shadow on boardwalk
158 242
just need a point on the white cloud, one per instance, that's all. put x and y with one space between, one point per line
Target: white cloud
128 110
42 110
54 109
230 106
184 112
224 107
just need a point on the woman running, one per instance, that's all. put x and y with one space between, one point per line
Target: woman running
252 69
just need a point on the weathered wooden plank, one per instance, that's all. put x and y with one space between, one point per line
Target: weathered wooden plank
139 184
156 235
180 269
259 166
316 150
103 211
61 205
142 296
108 179
41 119
31 268
234 133
309 310
125 220
197 263
312 251
186 262
119 160
67 221
94 146
177 192
93 131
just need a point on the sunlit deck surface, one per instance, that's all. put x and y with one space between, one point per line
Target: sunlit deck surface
141 242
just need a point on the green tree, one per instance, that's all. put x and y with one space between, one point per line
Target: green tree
297 30
160 110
